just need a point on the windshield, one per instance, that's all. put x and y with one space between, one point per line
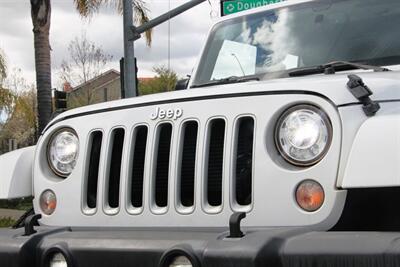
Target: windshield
303 35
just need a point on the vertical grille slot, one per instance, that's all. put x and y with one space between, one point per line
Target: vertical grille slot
215 162
244 161
93 169
138 161
162 164
117 142
187 163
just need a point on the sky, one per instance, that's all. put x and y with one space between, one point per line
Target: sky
188 35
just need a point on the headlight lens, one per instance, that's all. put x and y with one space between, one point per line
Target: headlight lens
63 151
303 135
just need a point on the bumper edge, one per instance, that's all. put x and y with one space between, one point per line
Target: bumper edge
284 247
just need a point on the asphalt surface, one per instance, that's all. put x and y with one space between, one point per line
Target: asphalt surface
15 214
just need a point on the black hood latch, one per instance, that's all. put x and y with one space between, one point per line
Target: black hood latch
362 93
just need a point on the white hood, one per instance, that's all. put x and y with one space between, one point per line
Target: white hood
384 85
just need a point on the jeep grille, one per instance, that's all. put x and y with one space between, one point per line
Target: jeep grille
212 141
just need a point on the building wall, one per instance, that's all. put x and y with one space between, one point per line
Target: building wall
101 89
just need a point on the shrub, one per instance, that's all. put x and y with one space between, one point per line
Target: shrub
6 222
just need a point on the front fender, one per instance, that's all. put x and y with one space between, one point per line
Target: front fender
374 159
16 173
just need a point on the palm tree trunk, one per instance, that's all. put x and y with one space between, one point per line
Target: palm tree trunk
41 13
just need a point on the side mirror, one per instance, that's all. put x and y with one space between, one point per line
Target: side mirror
182 84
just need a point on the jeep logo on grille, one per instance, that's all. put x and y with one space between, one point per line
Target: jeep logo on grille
166 114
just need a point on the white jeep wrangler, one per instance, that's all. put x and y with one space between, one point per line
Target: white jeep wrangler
291 118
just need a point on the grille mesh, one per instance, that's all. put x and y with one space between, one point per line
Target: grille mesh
115 168
162 167
93 171
138 163
188 162
244 161
215 162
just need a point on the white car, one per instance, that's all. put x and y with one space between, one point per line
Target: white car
291 118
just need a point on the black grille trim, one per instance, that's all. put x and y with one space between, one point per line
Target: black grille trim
163 152
215 161
243 161
94 151
138 159
117 144
187 164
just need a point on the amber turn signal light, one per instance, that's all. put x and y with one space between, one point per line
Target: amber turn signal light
310 195
48 202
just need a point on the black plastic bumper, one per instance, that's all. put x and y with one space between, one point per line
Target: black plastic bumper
207 248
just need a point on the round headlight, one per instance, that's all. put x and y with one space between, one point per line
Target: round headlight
303 135
63 151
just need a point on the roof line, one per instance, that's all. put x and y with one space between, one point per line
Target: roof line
95 78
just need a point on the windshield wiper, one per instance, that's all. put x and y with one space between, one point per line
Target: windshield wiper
332 67
228 80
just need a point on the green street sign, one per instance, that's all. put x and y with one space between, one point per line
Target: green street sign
234 6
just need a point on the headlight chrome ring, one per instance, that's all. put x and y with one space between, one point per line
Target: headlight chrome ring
303 135
62 151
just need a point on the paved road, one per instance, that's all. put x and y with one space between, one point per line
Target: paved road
15 214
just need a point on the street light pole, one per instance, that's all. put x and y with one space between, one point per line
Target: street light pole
129 53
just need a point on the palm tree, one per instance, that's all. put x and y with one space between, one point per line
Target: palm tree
41 15
87 8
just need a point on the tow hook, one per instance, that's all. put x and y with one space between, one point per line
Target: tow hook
234 225
30 222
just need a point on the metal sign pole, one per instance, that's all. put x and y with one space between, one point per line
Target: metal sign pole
129 54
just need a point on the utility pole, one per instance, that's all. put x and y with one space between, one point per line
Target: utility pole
129 53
